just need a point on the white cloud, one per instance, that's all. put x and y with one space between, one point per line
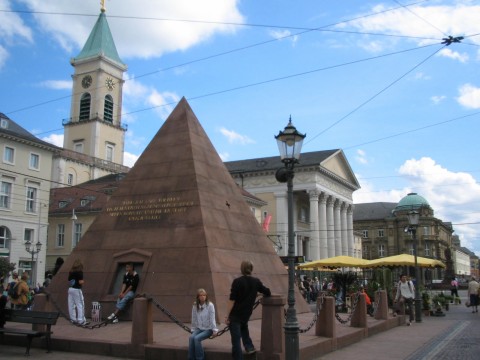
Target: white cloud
163 31
57 84
454 196
163 102
55 139
234 137
129 159
361 157
437 99
469 96
422 22
283 35
446 52
4 55
224 156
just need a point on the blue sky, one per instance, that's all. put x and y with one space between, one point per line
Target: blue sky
370 77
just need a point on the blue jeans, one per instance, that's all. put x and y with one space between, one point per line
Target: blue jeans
195 348
239 330
122 303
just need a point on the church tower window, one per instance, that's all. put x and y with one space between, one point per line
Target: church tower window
85 103
108 111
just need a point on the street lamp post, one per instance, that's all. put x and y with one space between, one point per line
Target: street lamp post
413 218
289 143
35 250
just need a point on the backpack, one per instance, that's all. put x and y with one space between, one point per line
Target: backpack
13 290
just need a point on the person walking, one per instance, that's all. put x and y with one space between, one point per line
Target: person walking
405 295
240 307
127 293
76 307
203 325
473 287
454 288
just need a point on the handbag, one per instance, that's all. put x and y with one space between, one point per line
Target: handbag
467 303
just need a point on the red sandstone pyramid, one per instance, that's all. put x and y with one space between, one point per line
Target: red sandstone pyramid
180 217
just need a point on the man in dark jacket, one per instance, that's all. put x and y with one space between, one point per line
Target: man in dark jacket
240 307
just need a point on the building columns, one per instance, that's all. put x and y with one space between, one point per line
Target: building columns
330 227
282 221
351 241
337 228
314 242
323 226
344 227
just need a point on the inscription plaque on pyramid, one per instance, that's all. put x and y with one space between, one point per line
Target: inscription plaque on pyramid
181 219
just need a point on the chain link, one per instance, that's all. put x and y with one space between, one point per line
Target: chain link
355 302
315 316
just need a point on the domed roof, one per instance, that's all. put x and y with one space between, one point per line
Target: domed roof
412 201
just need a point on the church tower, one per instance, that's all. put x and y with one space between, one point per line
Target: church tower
95 128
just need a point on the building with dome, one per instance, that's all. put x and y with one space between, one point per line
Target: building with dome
383 226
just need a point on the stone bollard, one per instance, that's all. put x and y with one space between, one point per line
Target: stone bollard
142 321
326 325
41 304
359 315
382 305
272 340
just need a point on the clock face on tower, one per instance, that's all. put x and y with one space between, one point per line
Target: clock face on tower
86 81
110 84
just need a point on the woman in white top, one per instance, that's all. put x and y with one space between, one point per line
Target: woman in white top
203 325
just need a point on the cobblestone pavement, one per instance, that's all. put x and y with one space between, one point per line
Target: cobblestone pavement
453 336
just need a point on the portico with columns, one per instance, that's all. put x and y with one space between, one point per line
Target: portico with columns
323 207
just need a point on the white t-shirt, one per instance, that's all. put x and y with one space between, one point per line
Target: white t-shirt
405 289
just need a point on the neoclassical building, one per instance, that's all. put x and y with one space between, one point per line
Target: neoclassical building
323 208
383 226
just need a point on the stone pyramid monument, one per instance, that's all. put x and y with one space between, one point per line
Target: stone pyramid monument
182 220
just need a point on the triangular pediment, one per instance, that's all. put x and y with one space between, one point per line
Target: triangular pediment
338 165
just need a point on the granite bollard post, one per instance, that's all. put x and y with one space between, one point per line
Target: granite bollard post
142 322
325 325
272 343
382 305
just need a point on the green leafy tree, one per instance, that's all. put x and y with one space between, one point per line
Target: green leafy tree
5 267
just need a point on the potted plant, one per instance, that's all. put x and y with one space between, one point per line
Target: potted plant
426 303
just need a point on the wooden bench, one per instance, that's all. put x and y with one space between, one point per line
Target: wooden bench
31 317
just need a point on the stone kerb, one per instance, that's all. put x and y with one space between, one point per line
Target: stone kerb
272 344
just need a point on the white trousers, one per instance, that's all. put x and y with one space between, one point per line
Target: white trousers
75 305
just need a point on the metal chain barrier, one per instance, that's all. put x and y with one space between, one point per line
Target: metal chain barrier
67 317
376 303
315 316
355 302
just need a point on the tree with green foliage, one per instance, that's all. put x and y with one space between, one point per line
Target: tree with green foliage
5 267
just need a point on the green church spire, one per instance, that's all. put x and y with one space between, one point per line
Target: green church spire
100 42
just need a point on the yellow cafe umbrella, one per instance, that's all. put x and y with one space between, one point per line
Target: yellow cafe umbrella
405 260
335 262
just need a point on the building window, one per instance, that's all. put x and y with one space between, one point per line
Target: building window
9 155
253 211
85 107
4 123
77 234
28 235
70 179
109 151
365 234
60 235
381 232
62 204
31 203
4 236
34 161
366 252
410 250
304 214
5 194
427 249
78 147
84 202
381 250
426 230
108 110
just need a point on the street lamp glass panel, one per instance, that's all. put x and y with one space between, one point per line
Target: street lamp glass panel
289 143
38 246
28 245
413 218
